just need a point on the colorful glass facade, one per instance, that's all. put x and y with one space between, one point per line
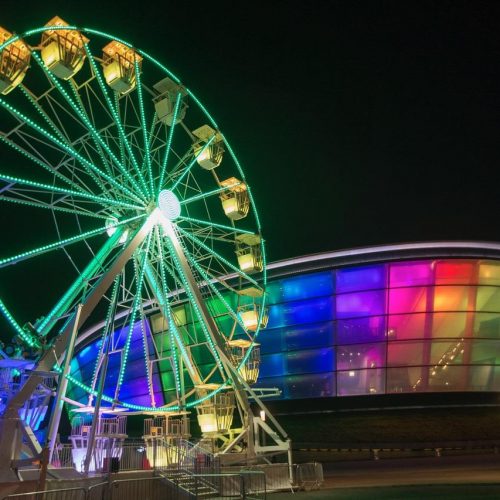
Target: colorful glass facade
430 325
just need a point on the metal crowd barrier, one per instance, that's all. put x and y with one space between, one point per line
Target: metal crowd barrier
59 494
248 484
309 476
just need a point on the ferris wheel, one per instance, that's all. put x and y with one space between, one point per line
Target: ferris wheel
137 210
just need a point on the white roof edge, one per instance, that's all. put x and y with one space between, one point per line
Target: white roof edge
353 252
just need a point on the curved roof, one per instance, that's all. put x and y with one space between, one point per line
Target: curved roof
384 253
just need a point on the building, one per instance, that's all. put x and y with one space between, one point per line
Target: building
409 319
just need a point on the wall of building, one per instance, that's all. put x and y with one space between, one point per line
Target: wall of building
400 327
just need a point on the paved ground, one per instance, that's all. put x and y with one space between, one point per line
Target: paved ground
465 477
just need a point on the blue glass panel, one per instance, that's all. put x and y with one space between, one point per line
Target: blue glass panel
296 313
351 331
270 340
272 365
311 361
306 336
273 382
305 287
360 278
318 385
352 305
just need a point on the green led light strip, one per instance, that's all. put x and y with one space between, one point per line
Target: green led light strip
135 305
202 196
69 192
116 118
107 326
214 224
169 144
62 243
143 127
28 339
217 256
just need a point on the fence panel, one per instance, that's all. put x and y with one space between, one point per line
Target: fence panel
59 494
309 476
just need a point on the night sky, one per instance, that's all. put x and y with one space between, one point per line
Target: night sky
357 123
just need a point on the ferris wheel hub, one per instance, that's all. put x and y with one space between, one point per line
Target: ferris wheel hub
169 204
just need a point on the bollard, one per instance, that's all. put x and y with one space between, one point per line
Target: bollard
375 453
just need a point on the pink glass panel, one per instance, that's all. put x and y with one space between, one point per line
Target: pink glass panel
411 273
407 300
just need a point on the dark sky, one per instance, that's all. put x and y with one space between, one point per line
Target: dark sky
357 123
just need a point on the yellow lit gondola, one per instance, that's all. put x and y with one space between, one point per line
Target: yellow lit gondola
119 66
166 100
235 201
249 253
249 370
14 62
208 156
63 50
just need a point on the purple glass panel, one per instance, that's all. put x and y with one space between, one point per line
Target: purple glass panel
351 331
361 356
352 305
411 273
360 278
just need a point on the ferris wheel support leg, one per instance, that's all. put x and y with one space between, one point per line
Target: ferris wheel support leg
213 331
11 425
55 418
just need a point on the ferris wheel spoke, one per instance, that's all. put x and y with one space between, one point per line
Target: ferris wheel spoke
191 164
195 301
106 333
139 273
68 149
169 144
55 189
50 206
41 163
63 243
115 114
176 341
42 112
214 224
149 375
162 297
219 257
147 155
90 167
101 145
209 281
92 270
202 196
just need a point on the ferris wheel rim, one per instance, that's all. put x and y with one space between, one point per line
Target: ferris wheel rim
153 60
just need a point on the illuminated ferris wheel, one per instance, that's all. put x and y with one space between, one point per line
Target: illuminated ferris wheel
153 221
